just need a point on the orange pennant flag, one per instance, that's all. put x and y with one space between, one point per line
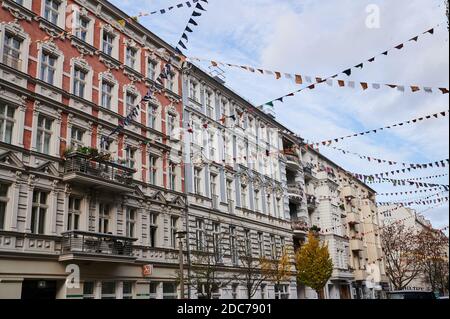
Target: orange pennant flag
341 83
278 75
298 79
415 88
364 85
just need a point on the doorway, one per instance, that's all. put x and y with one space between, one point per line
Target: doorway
39 289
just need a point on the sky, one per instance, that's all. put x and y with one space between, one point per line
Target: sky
321 38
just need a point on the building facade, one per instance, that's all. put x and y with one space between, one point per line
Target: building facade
235 184
74 198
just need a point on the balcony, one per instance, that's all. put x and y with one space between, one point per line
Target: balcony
295 192
311 201
293 161
87 246
89 171
348 192
360 275
353 218
356 245
300 226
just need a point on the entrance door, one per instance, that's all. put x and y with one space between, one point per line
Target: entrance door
39 289
344 291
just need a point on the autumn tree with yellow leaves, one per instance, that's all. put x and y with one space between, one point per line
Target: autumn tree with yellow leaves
314 265
277 270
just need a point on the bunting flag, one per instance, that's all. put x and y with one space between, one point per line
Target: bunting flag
348 71
301 79
419 202
409 201
197 12
374 131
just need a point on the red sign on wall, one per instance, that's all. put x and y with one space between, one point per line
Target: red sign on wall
147 270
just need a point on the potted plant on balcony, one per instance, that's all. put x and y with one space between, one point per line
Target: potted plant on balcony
342 206
315 229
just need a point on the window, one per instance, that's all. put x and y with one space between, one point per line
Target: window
130 222
88 290
77 135
173 231
38 212
197 180
200 234
248 242
153 229
130 154
3 203
44 134
234 291
12 51
103 218
230 196
73 217
263 291
214 196
107 89
130 102
130 57
281 292
152 115
152 169
108 43
261 244
279 212
108 290
151 69
127 290
257 205
269 205
209 104
51 9
171 125
244 196
170 81
48 67
273 247
82 27
172 176
212 146
217 234
6 122
154 290
233 248
193 89
169 290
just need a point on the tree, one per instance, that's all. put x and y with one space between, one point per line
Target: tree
433 247
277 270
402 252
206 270
314 265
250 272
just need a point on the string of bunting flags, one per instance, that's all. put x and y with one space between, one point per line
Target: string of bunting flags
418 202
166 71
398 182
409 122
419 191
436 164
185 4
348 72
188 28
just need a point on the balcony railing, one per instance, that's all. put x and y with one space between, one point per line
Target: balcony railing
295 189
300 225
83 168
79 244
311 201
12 61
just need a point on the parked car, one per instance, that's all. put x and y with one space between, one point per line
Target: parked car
406 294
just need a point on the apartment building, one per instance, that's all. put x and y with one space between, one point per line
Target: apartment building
76 200
235 183
344 210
